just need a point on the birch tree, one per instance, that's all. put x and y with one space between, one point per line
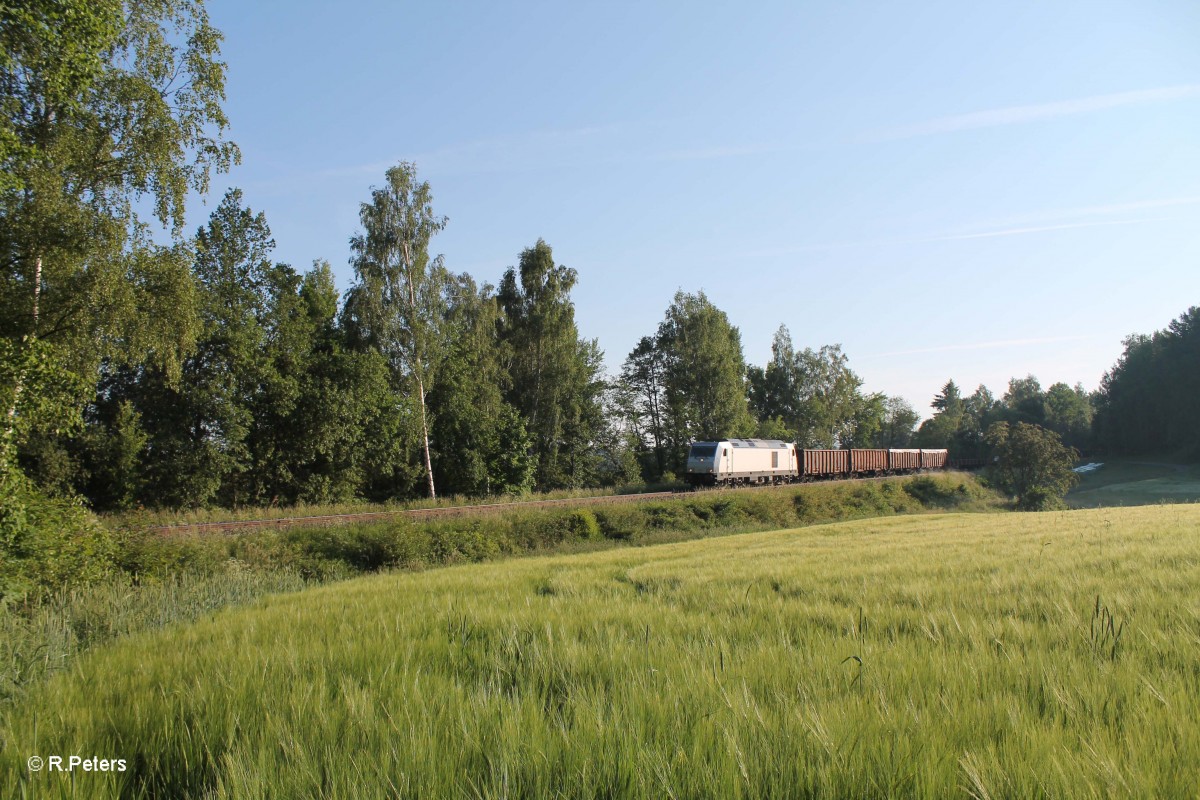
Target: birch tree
102 103
401 299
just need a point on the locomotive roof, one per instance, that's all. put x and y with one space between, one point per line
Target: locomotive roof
773 443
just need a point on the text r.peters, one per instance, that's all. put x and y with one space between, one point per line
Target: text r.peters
72 763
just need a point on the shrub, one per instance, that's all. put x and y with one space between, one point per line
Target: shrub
616 522
583 524
48 542
928 492
664 516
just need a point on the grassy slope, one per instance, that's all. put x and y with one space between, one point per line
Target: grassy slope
1134 482
917 656
184 516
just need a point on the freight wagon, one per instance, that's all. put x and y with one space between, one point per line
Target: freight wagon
825 463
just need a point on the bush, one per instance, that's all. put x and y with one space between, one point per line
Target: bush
676 517
363 548
47 542
1041 499
146 554
616 522
583 524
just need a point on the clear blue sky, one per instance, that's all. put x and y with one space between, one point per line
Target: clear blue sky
950 190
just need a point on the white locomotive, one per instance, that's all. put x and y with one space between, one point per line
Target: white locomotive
741 461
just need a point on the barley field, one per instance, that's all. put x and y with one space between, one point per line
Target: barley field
972 655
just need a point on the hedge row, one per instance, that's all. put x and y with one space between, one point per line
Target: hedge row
324 553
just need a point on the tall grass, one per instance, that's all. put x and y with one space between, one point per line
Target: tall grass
977 655
158 580
166 517
41 639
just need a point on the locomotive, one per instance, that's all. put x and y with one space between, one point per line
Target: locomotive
733 462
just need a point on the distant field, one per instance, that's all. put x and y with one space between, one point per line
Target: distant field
985 655
1133 482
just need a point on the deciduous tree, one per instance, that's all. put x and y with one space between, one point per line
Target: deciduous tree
641 397
402 294
704 374
557 383
101 103
1033 465
899 420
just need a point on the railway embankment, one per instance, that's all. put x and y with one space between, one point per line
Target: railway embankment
152 580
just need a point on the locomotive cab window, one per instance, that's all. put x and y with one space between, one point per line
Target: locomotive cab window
704 450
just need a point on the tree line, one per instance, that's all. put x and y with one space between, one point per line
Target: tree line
415 381
1145 405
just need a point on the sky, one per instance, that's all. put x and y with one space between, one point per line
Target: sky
975 191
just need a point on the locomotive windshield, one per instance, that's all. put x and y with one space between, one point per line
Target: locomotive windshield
703 451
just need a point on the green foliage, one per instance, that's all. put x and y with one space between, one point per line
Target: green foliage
641 402
1069 413
401 299
774 428
115 444
939 430
39 401
149 557
271 407
60 47
702 373
1025 401
47 543
1147 401
481 445
583 524
961 424
556 377
897 424
1033 465
815 395
980 410
100 104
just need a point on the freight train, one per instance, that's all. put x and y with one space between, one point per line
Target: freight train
759 461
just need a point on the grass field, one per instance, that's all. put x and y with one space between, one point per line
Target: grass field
985 655
1123 482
